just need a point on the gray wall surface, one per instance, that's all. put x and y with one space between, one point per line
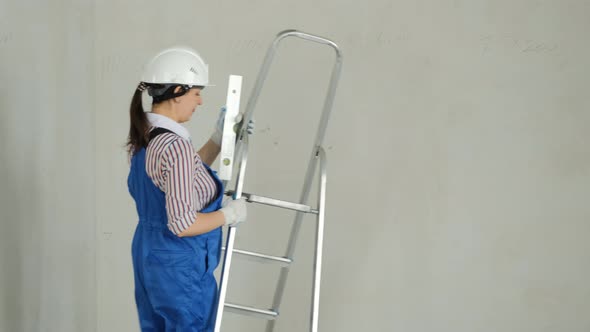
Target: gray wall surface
47 164
458 173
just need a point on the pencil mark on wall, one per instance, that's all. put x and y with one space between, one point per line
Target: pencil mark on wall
382 39
532 46
246 45
491 43
5 37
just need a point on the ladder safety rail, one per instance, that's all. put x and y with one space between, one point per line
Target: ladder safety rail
317 164
263 73
251 198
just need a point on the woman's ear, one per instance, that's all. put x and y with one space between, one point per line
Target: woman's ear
177 90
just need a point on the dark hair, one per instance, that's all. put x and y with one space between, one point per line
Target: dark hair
139 125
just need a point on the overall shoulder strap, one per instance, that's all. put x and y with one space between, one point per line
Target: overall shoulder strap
158 131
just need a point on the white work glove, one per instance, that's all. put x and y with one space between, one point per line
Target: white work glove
234 210
218 133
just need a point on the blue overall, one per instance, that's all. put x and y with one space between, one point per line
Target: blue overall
175 289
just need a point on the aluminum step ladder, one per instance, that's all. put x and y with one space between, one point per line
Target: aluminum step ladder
317 156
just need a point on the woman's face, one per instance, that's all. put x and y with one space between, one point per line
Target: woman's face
187 104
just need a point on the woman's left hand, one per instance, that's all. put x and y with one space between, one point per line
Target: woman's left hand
218 133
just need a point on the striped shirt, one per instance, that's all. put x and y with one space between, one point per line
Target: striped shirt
175 167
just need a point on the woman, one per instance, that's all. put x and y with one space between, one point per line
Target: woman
179 199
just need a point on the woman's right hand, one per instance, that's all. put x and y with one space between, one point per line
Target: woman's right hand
234 210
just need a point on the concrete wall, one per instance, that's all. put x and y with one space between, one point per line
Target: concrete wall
458 169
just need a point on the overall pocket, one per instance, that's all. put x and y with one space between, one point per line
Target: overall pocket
172 280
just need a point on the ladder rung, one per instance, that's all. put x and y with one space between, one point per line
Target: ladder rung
276 202
284 261
249 311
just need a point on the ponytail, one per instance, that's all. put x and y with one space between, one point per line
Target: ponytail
139 126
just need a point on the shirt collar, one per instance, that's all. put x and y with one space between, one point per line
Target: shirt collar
161 121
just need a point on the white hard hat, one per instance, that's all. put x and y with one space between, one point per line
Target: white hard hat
177 65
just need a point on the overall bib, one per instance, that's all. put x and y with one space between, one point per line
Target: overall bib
175 289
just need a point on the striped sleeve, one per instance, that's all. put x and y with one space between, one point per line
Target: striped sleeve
181 200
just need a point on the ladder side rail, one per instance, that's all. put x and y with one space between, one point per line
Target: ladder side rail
294 235
328 103
231 236
319 243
